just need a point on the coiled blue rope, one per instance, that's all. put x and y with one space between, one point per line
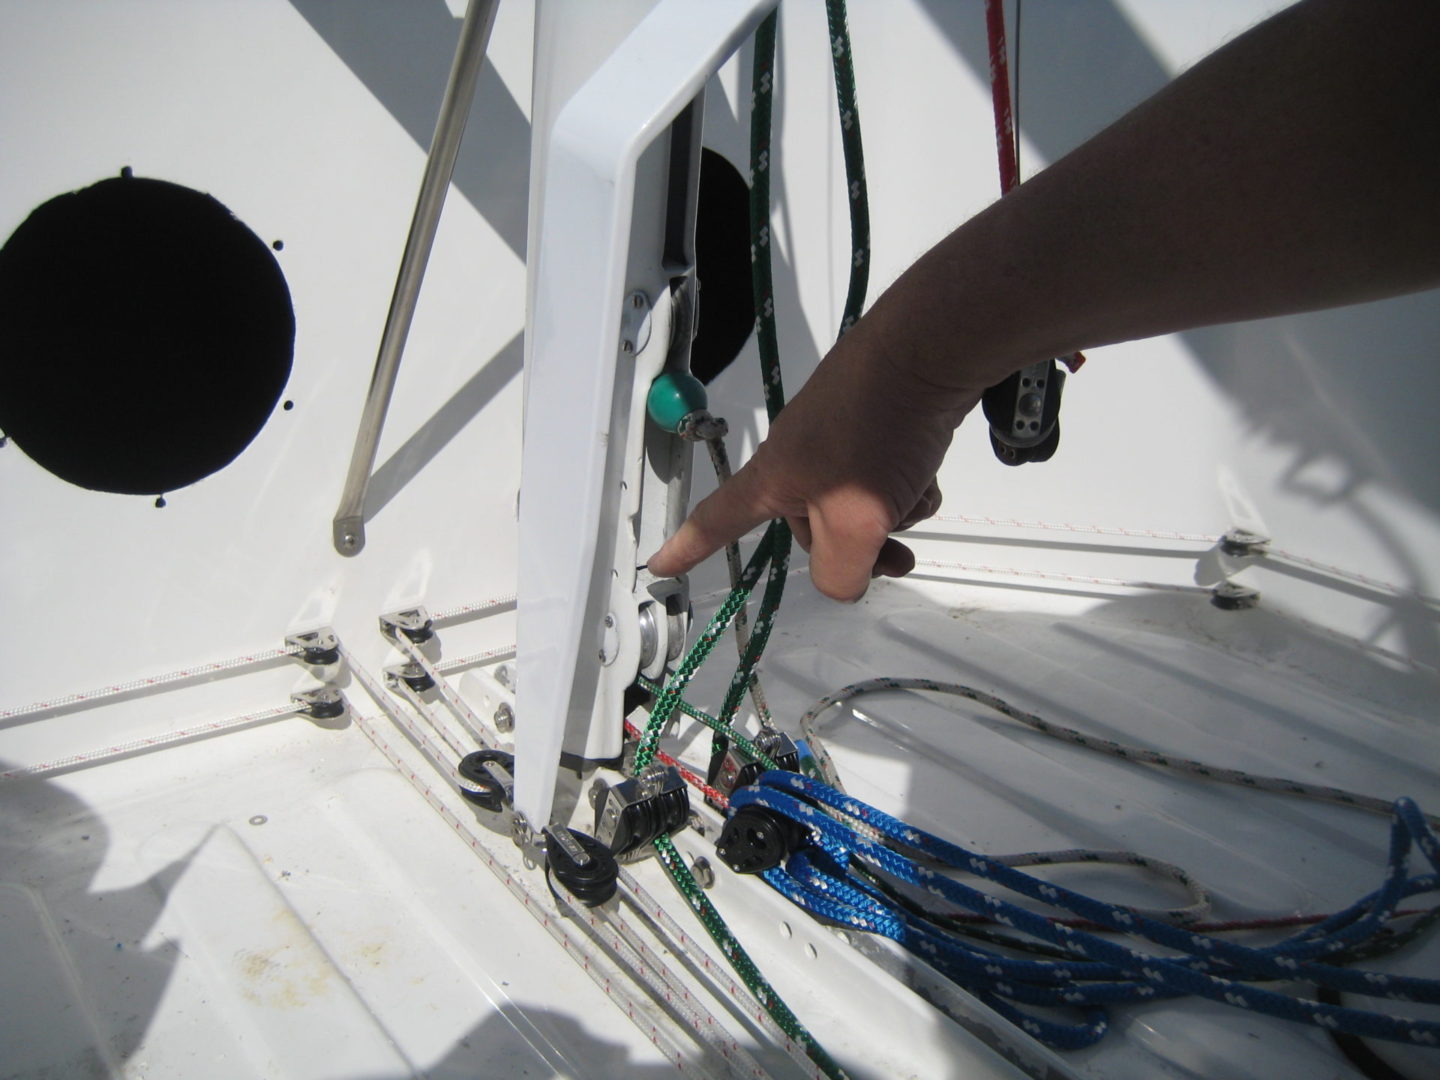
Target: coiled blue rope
818 877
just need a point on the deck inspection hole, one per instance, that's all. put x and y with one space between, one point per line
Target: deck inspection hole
722 266
146 335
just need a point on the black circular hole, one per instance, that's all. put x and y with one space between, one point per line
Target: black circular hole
160 502
278 245
722 267
288 406
145 336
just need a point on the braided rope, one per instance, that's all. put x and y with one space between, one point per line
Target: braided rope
774 548
689 775
669 699
1005 143
1101 972
739 959
715 442
153 742
85 698
810 722
853 146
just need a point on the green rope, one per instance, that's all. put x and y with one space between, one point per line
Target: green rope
774 548
740 960
714 724
669 699
854 163
762 96
764 623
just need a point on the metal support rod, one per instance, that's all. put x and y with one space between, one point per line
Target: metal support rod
349 524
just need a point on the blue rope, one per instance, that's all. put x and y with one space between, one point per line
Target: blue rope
818 878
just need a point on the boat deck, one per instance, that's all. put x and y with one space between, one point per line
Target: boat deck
243 890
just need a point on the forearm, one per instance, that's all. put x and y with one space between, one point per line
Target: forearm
1296 168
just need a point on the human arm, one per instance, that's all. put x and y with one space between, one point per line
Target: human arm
1296 168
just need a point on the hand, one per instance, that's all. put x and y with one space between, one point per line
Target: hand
849 461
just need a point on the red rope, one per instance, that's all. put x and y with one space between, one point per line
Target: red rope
692 778
1006 138
1000 96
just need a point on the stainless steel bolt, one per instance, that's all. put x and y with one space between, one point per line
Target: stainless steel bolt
504 719
703 871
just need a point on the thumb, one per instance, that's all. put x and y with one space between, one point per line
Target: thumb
849 533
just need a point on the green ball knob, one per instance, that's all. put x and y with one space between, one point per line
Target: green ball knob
673 396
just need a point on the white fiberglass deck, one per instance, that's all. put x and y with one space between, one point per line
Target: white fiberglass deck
195 881
215 905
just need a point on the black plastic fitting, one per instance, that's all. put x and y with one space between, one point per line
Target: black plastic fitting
583 865
757 839
1024 414
479 785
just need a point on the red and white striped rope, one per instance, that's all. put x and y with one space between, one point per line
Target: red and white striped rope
153 742
551 921
500 652
481 607
709 1031
153 682
1358 578
1050 575
1065 526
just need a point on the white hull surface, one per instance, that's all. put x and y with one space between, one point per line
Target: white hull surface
195 880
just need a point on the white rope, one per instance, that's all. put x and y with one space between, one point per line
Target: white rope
502 652
1048 575
542 911
476 728
646 906
1087 530
153 682
809 724
480 607
550 920
622 940
153 742
1262 548
1279 555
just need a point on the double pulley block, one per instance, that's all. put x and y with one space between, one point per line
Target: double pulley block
1024 413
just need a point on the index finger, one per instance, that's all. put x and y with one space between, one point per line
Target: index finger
722 517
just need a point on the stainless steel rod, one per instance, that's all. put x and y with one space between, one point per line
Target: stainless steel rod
349 524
